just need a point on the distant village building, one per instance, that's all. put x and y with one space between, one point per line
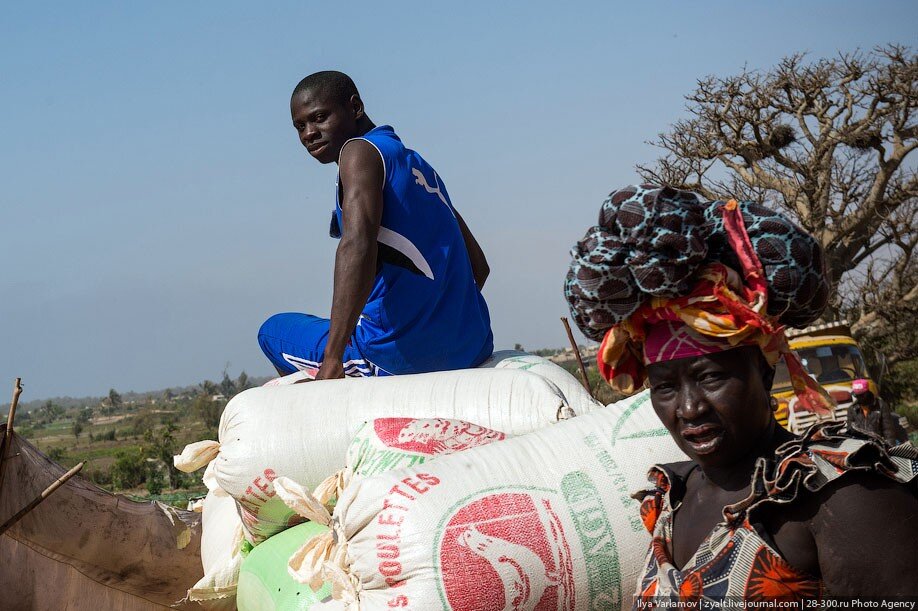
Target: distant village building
588 353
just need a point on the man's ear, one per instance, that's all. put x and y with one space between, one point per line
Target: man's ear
357 107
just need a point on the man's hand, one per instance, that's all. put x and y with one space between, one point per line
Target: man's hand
331 369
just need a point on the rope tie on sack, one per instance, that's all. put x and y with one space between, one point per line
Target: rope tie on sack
323 558
196 455
330 489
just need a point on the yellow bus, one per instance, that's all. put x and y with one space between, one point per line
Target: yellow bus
832 356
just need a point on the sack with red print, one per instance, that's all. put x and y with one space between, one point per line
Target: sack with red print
542 521
303 431
385 444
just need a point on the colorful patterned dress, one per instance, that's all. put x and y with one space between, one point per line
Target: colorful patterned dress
734 560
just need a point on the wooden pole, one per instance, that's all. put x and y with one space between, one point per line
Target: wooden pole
44 494
8 434
583 373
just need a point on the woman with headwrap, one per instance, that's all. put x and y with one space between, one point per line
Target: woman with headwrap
691 297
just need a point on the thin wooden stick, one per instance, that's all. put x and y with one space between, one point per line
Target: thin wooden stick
8 434
44 494
583 373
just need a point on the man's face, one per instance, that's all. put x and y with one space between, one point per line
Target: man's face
716 406
323 123
864 399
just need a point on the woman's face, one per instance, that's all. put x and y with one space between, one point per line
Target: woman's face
716 406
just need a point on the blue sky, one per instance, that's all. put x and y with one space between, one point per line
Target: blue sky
156 205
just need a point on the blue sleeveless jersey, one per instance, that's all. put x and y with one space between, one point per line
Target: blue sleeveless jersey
425 312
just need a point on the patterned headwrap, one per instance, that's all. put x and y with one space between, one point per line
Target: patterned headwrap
650 241
723 310
670 340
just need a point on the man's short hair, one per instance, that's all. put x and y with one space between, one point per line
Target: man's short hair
337 85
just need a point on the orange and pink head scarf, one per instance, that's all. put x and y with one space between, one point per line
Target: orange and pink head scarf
723 310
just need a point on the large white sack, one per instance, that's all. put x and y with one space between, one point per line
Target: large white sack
221 557
542 521
577 396
303 431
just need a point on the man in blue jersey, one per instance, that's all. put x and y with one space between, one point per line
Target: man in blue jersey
408 272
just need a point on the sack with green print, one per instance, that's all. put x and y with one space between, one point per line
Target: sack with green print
544 520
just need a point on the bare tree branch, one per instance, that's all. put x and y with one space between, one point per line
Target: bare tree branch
826 141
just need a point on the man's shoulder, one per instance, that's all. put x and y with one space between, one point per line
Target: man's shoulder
384 137
358 154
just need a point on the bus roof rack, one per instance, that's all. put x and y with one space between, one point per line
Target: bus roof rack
838 327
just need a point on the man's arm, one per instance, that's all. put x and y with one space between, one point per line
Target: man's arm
480 269
360 172
891 430
865 531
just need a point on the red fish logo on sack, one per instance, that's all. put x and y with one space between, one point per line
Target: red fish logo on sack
507 551
432 435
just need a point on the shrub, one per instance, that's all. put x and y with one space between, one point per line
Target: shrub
900 389
100 477
129 470
910 411
154 485
142 423
901 382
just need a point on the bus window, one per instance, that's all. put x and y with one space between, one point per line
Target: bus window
837 363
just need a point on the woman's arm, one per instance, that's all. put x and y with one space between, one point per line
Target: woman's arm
866 533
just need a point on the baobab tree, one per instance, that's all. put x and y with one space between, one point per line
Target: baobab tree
826 141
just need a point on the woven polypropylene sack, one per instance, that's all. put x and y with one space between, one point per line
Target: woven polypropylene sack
221 540
577 396
303 431
541 521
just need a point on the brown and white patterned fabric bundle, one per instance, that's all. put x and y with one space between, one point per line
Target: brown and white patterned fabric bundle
798 287
651 240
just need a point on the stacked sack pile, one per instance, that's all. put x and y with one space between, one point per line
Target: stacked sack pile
472 489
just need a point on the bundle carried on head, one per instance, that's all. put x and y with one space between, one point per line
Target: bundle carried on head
651 241
729 272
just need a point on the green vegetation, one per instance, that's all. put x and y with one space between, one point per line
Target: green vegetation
600 389
900 388
128 440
